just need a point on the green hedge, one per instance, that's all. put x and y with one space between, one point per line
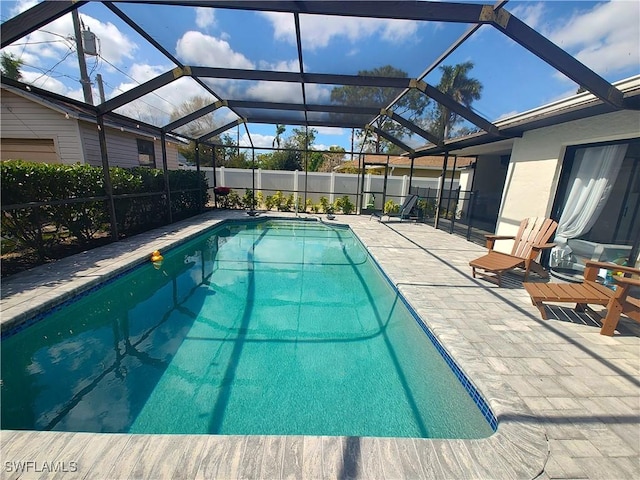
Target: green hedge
39 228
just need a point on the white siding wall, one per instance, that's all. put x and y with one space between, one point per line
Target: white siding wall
122 148
22 118
172 155
536 162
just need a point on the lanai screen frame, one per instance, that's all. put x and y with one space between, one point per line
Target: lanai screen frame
475 14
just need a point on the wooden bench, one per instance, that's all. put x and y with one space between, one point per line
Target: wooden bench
618 301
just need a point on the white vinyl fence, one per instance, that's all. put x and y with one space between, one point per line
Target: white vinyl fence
319 184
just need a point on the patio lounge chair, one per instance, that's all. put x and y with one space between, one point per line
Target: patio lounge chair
589 291
405 209
532 238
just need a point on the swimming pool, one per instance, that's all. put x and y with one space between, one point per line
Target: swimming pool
258 328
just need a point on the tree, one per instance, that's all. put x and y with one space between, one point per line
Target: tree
201 125
302 138
227 152
456 83
280 129
314 160
10 66
296 149
281 160
411 106
333 159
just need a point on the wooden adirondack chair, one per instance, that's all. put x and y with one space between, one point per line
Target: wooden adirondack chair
533 236
589 291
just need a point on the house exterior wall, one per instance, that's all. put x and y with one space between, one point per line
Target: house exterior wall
22 118
75 141
122 148
536 162
424 172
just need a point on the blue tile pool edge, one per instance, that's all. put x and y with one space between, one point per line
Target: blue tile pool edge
471 389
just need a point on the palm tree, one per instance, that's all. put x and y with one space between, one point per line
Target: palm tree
455 83
280 129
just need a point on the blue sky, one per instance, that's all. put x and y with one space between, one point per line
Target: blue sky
603 35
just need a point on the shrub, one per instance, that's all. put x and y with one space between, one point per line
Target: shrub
278 200
347 205
268 202
248 200
324 203
391 207
428 208
39 227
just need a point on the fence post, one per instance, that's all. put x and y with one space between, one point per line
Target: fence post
222 184
332 187
405 187
472 201
455 210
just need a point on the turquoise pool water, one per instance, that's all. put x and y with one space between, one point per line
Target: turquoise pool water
258 328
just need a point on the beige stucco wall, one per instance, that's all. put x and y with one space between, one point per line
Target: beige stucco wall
536 162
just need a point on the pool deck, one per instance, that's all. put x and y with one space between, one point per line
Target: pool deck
567 399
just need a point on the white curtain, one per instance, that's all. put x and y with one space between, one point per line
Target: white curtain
596 170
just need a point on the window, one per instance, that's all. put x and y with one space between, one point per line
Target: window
146 155
598 207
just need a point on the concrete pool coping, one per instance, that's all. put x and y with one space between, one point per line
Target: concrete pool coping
454 306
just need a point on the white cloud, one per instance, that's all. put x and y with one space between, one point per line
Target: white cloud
114 46
318 94
142 72
275 92
44 81
531 14
319 30
205 17
196 48
56 39
282 66
56 86
23 5
153 108
604 38
259 140
330 130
